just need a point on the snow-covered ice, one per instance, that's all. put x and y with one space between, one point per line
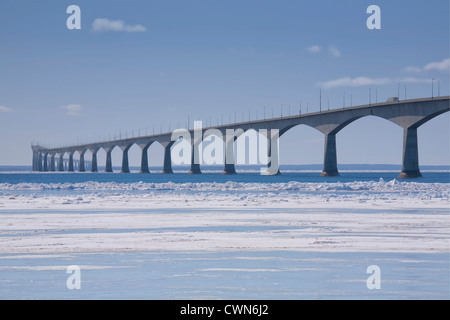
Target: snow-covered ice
223 240
91 195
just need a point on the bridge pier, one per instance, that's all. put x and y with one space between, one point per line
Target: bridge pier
330 159
94 167
71 169
52 162
144 161
144 158
229 155
195 158
229 169
273 165
108 166
82 167
125 166
410 167
45 162
167 165
34 162
40 162
61 162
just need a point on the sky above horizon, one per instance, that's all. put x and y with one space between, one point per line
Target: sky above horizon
138 66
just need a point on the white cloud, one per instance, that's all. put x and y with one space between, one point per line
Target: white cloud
354 82
412 80
334 51
72 109
331 49
412 69
5 109
366 81
314 49
104 25
444 65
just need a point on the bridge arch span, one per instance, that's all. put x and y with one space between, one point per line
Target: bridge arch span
430 117
302 142
292 126
364 141
432 150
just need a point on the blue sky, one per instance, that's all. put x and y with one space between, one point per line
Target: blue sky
167 60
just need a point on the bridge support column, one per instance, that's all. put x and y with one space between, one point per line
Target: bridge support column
125 166
52 162
229 156
330 159
144 161
34 162
45 169
94 167
40 162
144 158
195 158
273 164
229 168
410 168
71 162
82 167
61 162
167 166
108 166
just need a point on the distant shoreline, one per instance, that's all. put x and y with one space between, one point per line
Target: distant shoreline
251 168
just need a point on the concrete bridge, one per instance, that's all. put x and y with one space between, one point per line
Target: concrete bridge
408 114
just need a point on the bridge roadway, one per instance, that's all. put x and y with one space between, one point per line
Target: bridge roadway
408 114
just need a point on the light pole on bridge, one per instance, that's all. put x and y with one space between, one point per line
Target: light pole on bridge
439 87
432 88
343 101
320 100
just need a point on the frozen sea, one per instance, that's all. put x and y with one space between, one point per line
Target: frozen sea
209 236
